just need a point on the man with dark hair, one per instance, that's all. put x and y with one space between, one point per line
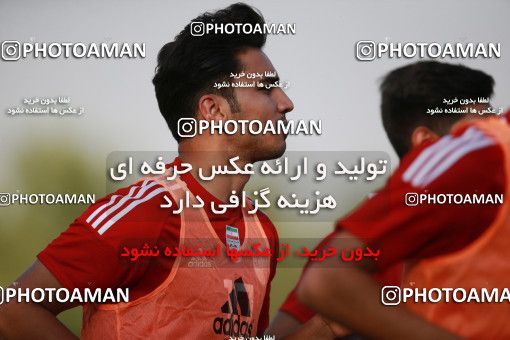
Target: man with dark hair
407 93
173 297
189 66
442 245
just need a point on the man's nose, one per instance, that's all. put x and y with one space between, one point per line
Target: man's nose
284 103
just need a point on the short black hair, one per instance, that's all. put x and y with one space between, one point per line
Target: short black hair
409 91
189 66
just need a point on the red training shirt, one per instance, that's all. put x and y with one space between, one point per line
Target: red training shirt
88 253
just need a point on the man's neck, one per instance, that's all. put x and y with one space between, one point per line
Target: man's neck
222 185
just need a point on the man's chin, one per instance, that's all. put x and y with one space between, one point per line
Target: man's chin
282 149
275 152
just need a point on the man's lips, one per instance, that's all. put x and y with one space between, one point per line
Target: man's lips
285 122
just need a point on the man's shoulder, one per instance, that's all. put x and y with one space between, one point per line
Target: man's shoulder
267 225
455 155
137 206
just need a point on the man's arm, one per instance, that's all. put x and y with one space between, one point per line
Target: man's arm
34 320
296 321
347 294
282 325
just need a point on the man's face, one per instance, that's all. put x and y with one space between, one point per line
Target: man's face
262 104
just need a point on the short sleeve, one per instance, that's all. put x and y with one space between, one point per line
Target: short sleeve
83 257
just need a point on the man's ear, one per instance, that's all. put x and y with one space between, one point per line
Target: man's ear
212 107
420 134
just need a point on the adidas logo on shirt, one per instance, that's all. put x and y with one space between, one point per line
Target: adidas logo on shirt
237 305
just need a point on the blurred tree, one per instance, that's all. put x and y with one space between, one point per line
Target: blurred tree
48 166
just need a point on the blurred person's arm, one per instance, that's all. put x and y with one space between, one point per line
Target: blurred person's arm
285 326
29 320
349 295
295 320
282 325
317 328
